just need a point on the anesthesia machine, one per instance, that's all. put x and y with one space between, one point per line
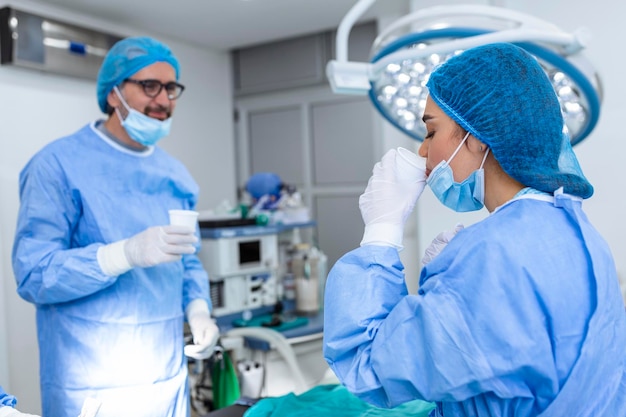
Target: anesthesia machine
242 264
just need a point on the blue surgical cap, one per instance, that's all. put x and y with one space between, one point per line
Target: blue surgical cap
127 57
264 183
502 96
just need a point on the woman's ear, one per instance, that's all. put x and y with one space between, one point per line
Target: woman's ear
476 146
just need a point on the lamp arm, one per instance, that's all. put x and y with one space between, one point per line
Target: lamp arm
343 31
511 17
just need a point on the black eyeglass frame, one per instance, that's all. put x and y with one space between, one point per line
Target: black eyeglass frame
145 84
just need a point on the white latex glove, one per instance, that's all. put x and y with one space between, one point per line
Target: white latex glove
153 246
440 242
203 329
12 412
396 183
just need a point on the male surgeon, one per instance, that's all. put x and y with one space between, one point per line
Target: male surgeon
111 280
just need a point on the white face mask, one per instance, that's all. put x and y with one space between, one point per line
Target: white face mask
141 128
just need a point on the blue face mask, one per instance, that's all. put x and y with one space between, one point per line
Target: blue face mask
141 128
468 195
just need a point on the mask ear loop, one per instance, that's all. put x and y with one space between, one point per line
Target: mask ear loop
484 159
126 106
458 147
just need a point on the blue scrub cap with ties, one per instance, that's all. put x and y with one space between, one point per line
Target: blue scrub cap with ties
127 57
502 96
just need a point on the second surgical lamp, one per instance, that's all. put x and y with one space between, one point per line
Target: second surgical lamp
407 51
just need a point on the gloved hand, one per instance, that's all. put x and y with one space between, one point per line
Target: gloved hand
12 412
396 183
203 329
153 246
160 244
440 242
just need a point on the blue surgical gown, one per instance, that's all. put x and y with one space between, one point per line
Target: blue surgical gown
520 315
116 338
6 399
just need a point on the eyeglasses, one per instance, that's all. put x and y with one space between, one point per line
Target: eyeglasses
152 88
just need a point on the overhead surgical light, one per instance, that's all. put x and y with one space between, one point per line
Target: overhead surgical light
407 51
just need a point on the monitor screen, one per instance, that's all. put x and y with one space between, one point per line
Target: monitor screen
249 252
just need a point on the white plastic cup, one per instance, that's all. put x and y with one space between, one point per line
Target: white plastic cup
409 166
187 218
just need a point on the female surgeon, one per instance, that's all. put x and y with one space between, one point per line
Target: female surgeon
519 314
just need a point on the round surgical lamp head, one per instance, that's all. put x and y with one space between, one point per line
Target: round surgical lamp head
401 68
396 77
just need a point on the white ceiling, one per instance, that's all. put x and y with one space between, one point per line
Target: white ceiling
225 24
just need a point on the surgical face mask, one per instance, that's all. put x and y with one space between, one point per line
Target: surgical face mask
468 195
141 128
